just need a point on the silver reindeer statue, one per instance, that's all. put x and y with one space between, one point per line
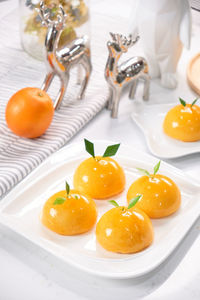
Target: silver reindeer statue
129 71
60 60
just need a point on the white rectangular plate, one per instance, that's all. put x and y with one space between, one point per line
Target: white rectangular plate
21 208
150 119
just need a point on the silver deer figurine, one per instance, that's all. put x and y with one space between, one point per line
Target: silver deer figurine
129 71
60 60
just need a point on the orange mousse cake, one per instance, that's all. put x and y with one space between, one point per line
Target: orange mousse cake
69 212
125 229
161 197
100 177
182 122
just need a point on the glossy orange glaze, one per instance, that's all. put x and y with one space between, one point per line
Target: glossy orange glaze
99 177
124 230
160 195
183 123
73 217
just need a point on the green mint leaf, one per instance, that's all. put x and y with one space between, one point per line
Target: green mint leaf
76 197
193 103
113 202
67 187
182 102
59 200
89 147
111 150
144 172
156 168
133 201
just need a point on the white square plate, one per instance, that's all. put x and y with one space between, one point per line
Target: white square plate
150 119
21 208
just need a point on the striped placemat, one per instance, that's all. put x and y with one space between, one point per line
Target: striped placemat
18 156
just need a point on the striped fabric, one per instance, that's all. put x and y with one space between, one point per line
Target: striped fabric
18 156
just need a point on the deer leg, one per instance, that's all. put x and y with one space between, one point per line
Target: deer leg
88 69
110 99
146 78
133 89
61 93
79 74
115 102
47 81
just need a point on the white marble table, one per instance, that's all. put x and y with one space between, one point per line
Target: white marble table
27 272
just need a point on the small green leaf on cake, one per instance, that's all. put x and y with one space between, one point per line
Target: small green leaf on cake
67 187
111 150
89 147
113 202
156 168
182 102
59 200
133 201
194 102
144 172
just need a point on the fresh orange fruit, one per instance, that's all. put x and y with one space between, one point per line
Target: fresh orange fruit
124 230
29 112
160 195
76 215
99 177
183 123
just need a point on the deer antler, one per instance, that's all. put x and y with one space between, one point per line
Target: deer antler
62 15
130 41
44 14
123 40
113 36
117 38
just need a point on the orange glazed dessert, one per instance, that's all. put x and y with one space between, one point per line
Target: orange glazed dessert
182 122
125 229
100 177
160 195
69 212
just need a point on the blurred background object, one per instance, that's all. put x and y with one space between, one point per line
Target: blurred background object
164 27
193 70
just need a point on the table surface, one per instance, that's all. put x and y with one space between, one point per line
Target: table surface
31 273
